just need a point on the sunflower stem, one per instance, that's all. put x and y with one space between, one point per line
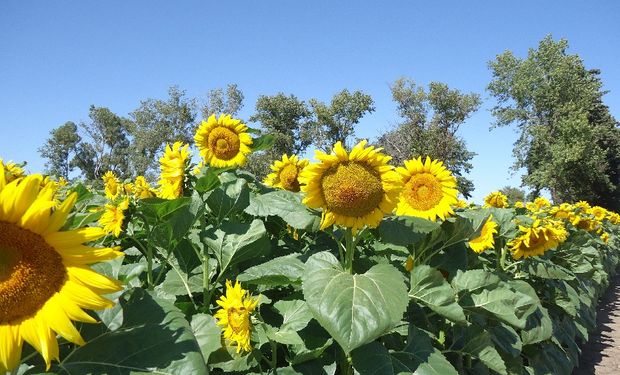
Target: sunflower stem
350 250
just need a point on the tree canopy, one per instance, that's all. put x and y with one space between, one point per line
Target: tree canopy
58 150
430 121
569 143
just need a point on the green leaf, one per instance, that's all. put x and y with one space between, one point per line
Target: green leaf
418 357
286 205
154 337
208 334
403 231
429 288
234 242
506 338
296 314
538 327
354 309
498 303
233 196
283 270
546 269
264 142
478 343
473 280
208 182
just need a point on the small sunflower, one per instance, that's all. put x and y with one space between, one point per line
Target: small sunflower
11 171
461 203
496 199
223 142
582 206
113 217
486 239
540 237
598 212
286 172
172 170
429 189
541 203
45 278
613 218
519 204
605 237
234 316
353 189
112 186
142 189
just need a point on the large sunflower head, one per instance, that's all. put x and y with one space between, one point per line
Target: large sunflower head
429 189
45 278
496 199
534 240
223 142
111 185
286 172
113 217
172 170
354 188
234 315
486 239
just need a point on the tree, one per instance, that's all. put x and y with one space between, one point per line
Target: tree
513 194
104 147
569 143
430 121
158 122
218 101
336 121
59 148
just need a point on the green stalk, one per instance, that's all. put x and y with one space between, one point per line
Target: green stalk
350 250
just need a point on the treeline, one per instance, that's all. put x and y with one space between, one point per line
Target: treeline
569 143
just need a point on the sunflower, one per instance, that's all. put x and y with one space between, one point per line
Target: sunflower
486 239
234 316
45 280
582 206
496 199
613 218
112 218
172 167
519 204
354 188
429 189
10 171
286 172
461 203
598 212
542 202
223 142
142 189
540 237
605 237
112 185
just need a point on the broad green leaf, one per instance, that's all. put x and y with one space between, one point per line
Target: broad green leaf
231 197
538 327
403 231
154 337
208 334
498 303
179 283
506 339
546 269
474 280
283 270
286 205
208 182
264 142
354 309
478 343
296 314
235 242
429 288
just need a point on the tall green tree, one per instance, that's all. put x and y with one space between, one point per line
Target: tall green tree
287 118
157 122
218 101
513 194
569 143
429 125
336 121
59 148
104 145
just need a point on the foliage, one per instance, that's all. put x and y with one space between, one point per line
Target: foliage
336 121
569 142
219 101
513 194
59 148
431 120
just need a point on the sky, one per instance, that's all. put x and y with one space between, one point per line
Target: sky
59 57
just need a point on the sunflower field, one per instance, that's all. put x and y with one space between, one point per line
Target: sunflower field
346 265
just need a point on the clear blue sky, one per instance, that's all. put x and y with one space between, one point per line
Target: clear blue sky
59 57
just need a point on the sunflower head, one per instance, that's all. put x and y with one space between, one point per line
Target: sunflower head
496 199
10 171
486 239
223 142
598 212
142 189
519 204
234 315
582 206
429 189
113 217
613 218
45 278
172 170
112 185
534 240
605 237
354 188
286 172
461 203
542 203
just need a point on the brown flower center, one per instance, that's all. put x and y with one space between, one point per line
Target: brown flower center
31 272
239 319
423 191
224 143
352 189
288 177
